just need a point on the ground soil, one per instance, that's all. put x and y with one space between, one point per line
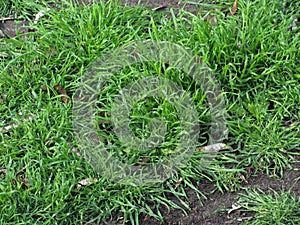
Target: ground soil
164 5
214 209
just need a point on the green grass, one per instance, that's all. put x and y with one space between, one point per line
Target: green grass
272 208
27 9
254 55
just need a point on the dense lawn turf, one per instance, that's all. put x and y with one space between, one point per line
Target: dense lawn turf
255 54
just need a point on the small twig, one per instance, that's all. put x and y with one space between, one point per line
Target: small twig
3 55
160 8
3 19
7 18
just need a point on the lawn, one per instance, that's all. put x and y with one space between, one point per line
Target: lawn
53 169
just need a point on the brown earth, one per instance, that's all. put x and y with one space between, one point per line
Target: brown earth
214 210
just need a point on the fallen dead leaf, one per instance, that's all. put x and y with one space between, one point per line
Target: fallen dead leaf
239 44
234 207
212 19
294 25
61 91
74 149
7 128
144 160
178 182
214 147
15 125
44 88
160 8
23 181
7 18
3 171
147 217
244 178
39 15
293 124
3 97
2 35
86 182
234 8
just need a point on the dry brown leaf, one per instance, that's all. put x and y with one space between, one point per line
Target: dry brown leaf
234 8
243 178
3 97
199 59
3 171
86 182
178 183
39 15
294 25
212 19
235 207
239 44
7 18
61 91
74 149
144 160
44 88
160 8
2 35
23 181
15 125
293 124
7 128
147 217
214 147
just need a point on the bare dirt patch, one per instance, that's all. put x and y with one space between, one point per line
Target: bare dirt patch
215 208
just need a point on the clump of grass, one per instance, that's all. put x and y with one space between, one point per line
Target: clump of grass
271 208
24 9
149 108
41 173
